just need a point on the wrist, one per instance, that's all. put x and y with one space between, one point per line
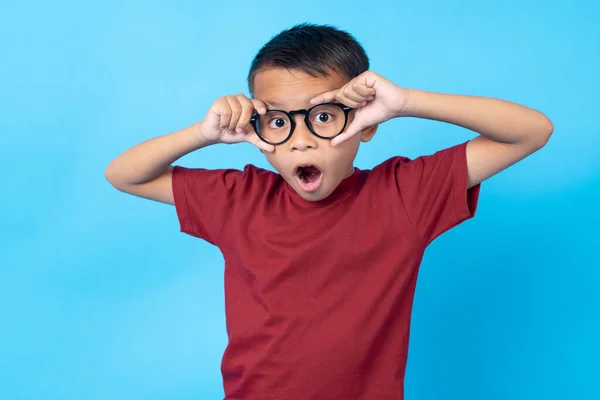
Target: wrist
407 106
195 138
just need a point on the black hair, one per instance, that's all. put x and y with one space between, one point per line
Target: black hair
313 49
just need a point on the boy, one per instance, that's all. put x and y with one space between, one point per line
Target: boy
321 258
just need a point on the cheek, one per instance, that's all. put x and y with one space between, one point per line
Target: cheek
276 161
349 148
341 159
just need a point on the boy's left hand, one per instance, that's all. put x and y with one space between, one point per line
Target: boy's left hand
375 99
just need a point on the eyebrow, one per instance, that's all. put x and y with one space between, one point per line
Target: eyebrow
273 103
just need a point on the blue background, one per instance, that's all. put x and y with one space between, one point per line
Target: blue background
101 297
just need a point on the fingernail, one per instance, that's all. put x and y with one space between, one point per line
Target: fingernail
240 130
230 131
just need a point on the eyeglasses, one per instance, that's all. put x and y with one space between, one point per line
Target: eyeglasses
325 121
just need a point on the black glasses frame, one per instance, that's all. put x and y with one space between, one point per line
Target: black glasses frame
306 113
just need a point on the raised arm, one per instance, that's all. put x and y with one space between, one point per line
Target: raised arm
509 132
145 169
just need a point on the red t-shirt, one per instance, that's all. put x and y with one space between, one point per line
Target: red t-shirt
318 295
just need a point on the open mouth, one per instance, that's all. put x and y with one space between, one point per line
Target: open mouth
309 177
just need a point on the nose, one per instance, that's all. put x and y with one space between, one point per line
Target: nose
302 139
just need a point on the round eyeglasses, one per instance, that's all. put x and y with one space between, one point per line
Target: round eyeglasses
325 121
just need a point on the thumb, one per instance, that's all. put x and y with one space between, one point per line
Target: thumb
350 131
255 140
325 97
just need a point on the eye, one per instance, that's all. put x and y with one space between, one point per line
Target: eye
324 117
277 123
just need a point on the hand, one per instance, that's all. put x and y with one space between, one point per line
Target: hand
375 98
228 121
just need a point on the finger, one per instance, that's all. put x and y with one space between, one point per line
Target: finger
224 111
256 141
247 111
349 102
354 96
324 97
350 131
259 106
364 90
341 138
236 111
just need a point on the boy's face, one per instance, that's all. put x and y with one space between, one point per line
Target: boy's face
287 90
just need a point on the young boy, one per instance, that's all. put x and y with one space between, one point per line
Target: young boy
321 258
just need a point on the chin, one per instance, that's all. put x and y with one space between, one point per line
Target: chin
318 195
311 196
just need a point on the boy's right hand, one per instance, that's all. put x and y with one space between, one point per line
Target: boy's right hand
228 121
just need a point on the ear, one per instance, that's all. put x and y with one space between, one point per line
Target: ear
368 133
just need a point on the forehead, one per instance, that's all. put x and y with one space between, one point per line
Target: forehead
293 89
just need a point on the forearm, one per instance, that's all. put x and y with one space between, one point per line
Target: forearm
498 120
148 160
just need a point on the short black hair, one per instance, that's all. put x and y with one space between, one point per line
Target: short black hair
313 49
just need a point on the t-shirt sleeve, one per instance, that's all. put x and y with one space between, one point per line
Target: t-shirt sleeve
434 192
204 200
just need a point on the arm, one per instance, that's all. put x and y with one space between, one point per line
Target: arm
509 132
145 170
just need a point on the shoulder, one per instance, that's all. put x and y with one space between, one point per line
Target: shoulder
258 178
228 179
387 170
254 172
441 161
248 172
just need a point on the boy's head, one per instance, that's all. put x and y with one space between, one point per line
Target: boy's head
292 68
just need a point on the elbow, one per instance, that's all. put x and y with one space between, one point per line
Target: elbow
544 132
112 176
548 129
109 174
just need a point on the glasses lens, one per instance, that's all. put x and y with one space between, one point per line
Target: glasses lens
327 120
274 126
